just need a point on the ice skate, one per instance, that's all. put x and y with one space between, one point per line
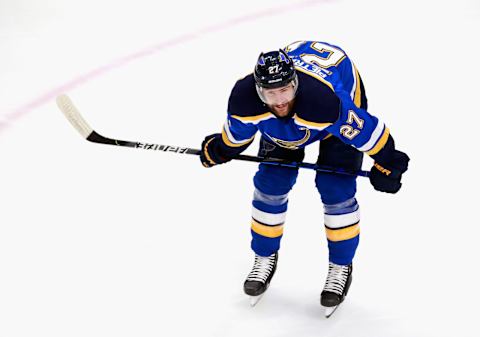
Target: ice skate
336 287
258 280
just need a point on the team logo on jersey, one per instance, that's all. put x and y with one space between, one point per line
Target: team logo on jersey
291 144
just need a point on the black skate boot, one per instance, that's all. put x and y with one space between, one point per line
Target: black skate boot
259 278
336 287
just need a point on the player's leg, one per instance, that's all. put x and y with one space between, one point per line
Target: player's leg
338 194
269 207
270 198
341 215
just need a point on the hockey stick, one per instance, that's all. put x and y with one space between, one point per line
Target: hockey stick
75 118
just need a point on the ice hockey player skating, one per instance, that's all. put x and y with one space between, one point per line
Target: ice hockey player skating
309 92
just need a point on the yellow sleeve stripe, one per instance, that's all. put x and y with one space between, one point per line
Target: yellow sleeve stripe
316 76
227 141
343 234
253 118
327 136
358 90
381 143
304 122
268 231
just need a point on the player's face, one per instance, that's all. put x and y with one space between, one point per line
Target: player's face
280 100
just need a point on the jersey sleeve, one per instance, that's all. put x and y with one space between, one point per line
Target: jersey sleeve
244 114
356 127
236 133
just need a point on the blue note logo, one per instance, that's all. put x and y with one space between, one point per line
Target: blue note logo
291 144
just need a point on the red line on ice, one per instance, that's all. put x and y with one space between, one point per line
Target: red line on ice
19 112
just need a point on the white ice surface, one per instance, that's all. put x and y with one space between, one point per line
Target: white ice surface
104 241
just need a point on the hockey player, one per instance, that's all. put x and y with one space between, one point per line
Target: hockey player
308 92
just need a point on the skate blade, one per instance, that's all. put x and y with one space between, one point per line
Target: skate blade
255 299
330 310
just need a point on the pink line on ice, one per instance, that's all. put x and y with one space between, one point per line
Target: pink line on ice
19 112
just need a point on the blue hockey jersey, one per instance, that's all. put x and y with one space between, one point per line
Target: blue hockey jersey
329 101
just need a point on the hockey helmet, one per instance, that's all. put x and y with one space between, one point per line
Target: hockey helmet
274 69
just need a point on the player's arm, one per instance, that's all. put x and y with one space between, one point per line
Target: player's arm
239 129
357 127
235 137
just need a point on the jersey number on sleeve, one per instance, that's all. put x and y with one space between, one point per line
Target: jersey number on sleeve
347 130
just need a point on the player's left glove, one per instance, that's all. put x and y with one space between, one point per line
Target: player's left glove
211 151
385 176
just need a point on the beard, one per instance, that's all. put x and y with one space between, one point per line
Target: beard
282 110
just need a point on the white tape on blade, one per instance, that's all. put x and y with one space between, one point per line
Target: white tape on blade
73 115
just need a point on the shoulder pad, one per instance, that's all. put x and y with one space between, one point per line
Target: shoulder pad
244 101
316 102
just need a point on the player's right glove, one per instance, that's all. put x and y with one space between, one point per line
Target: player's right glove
211 151
386 175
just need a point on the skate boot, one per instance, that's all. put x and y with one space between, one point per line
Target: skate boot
259 278
336 287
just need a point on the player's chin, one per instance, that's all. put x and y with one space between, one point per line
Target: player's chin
281 110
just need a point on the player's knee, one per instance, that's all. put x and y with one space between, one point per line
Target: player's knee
275 180
334 189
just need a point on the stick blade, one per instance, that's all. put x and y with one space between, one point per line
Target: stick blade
66 105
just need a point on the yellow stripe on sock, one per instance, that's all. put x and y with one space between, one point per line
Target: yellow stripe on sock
268 231
343 234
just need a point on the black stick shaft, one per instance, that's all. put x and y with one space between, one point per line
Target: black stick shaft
97 138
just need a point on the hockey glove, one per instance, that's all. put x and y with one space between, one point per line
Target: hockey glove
386 176
211 151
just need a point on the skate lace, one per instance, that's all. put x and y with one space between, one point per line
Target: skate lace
262 268
336 278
